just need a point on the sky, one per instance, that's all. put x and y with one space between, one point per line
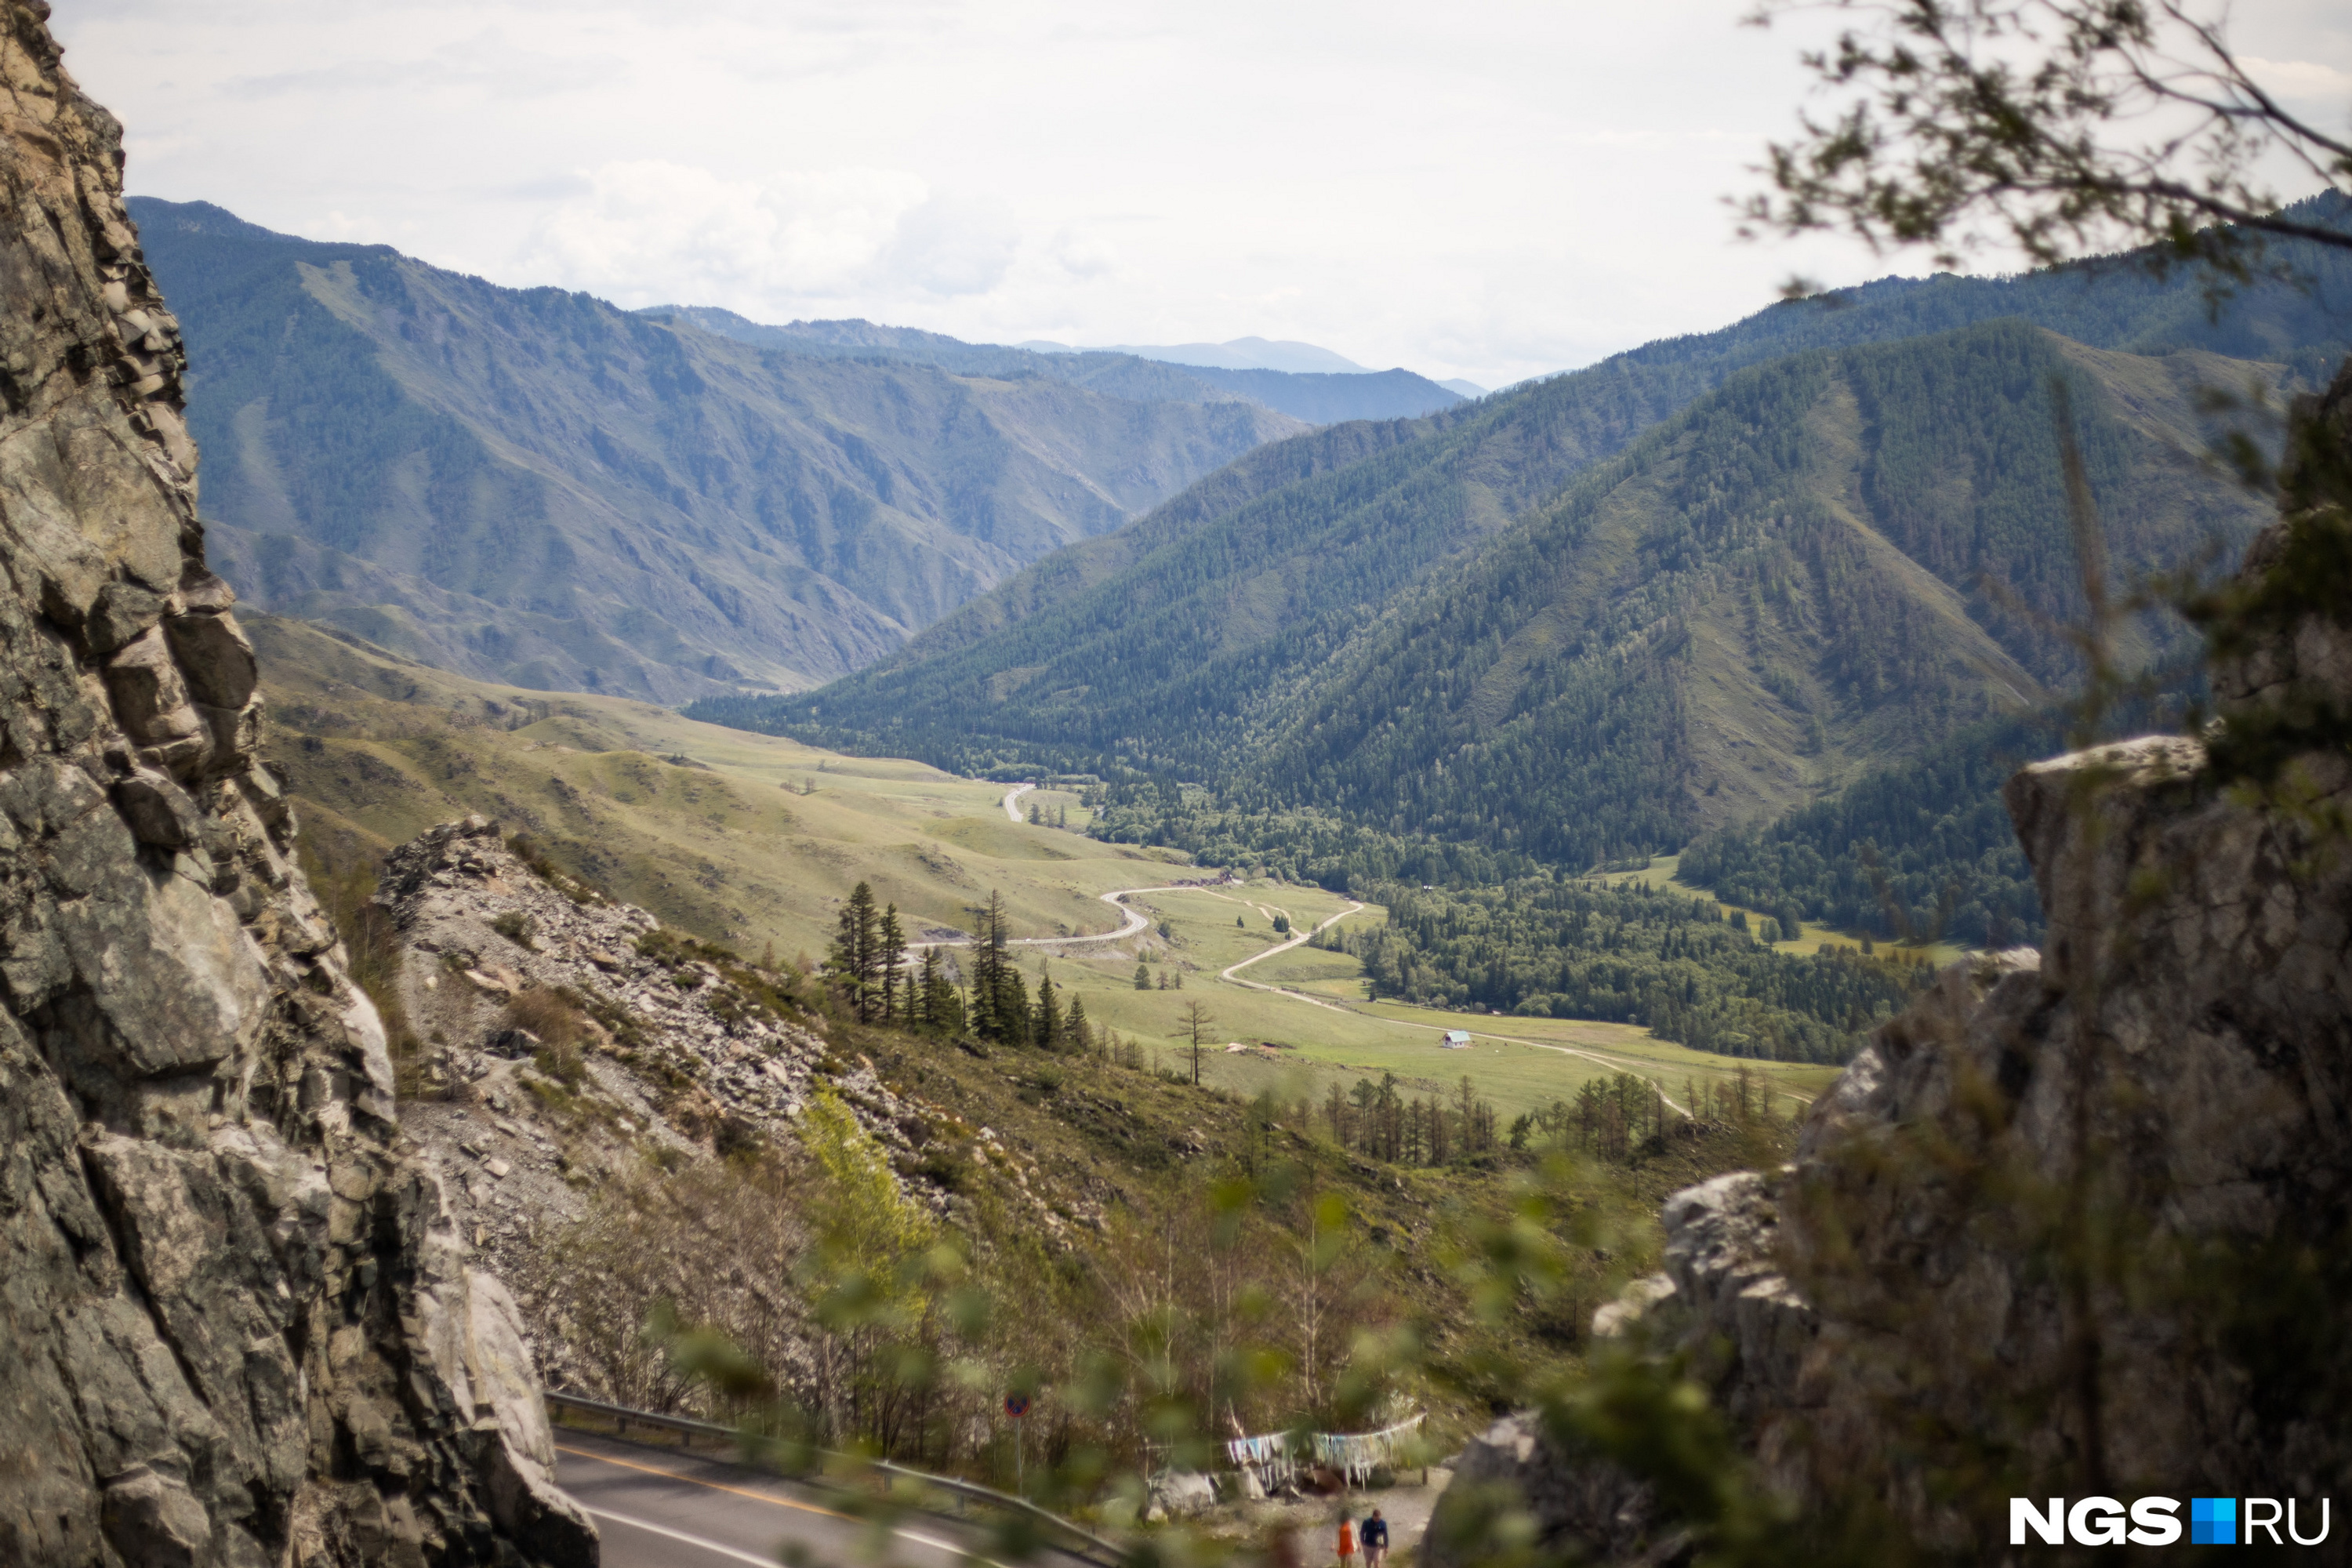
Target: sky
1484 190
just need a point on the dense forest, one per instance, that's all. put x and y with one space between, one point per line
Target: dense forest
1570 948
1186 631
1924 851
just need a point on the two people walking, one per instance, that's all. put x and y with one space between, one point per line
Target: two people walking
1375 1541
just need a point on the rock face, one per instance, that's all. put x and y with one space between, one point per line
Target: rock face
2075 1223
571 1046
239 1328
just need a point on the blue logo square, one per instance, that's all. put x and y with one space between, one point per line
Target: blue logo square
2213 1522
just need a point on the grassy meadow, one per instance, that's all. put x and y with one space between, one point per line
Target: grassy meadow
754 840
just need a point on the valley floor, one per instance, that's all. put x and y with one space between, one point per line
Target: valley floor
754 840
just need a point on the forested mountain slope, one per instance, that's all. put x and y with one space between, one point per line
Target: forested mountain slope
536 487
1835 560
1245 542
1831 563
1186 615
1317 398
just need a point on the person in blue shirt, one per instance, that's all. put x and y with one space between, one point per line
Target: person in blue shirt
1376 1541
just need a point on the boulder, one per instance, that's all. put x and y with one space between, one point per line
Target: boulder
1179 1494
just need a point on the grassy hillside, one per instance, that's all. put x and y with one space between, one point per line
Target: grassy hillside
1835 560
751 840
534 486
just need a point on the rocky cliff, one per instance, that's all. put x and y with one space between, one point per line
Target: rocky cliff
581 1066
2075 1224
240 1327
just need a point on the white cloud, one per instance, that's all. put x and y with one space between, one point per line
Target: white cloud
953 246
2302 79
1084 253
647 231
1489 191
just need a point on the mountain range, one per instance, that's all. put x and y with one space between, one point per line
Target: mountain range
1237 353
1703 582
536 487
1246 353
1315 384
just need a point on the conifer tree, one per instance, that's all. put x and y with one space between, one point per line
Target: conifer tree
890 950
1142 976
929 990
1000 1009
1046 1032
856 958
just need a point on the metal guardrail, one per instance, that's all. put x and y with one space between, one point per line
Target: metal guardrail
1090 1545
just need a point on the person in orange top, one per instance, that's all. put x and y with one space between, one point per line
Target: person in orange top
1347 1542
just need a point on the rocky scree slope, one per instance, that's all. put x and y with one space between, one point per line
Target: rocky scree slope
240 1329
1903 1307
570 1044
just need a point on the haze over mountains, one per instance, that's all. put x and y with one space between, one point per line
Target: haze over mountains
1247 353
536 487
1313 384
1239 353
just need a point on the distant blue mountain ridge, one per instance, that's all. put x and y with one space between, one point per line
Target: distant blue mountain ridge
1297 379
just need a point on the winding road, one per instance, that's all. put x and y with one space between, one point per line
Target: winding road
1136 921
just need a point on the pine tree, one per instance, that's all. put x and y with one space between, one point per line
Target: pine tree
1142 976
1000 1008
1080 1032
856 958
890 950
927 991
1048 1031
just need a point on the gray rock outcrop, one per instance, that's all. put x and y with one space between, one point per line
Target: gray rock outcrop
239 1328
569 1048
2075 1223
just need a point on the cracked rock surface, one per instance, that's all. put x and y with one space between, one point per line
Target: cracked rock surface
240 1328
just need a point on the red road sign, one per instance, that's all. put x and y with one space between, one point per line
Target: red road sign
1016 1405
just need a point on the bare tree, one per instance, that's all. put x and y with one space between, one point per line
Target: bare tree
1198 1023
2059 127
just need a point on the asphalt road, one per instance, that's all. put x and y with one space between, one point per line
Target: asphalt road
658 1508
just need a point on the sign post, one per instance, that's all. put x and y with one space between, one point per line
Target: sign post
1016 1405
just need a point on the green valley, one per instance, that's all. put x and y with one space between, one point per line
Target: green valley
753 842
